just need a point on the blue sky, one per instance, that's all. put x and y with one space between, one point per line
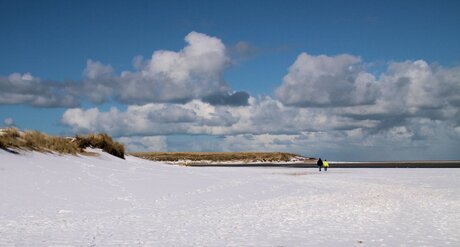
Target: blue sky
260 40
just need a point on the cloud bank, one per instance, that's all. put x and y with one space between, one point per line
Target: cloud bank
26 89
324 104
194 72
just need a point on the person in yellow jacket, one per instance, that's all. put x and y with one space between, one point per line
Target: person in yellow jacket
325 165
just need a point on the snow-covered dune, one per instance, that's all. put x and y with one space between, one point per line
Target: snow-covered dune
51 200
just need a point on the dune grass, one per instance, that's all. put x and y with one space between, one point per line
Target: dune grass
9 138
12 139
216 156
38 141
102 141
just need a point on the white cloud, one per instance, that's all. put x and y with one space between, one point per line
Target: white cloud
87 120
194 72
144 144
99 81
410 87
406 90
414 89
8 121
27 89
410 110
261 116
324 81
324 103
96 70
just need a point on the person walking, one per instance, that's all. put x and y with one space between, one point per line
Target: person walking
319 163
325 165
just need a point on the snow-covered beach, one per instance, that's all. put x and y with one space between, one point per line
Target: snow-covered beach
51 200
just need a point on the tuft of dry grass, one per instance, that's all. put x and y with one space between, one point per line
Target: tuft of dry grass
102 141
216 156
35 140
9 138
12 138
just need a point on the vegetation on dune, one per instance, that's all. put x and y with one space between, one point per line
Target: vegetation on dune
102 141
37 141
216 156
11 139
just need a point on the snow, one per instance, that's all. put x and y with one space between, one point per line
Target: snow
52 200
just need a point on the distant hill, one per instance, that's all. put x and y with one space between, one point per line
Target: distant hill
191 158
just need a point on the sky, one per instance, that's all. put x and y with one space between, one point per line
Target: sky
341 80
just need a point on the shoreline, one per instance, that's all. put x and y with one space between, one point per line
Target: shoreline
340 164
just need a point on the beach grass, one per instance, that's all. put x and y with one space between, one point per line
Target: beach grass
12 139
216 156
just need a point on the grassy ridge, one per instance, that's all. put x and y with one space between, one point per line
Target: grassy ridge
12 139
216 156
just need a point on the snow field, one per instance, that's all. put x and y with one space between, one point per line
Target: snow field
50 200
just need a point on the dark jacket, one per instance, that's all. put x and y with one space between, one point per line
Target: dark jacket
319 162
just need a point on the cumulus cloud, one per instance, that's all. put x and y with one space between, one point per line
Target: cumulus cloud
413 89
324 81
194 117
264 115
397 142
341 86
194 72
323 103
99 80
27 89
417 86
326 105
267 124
